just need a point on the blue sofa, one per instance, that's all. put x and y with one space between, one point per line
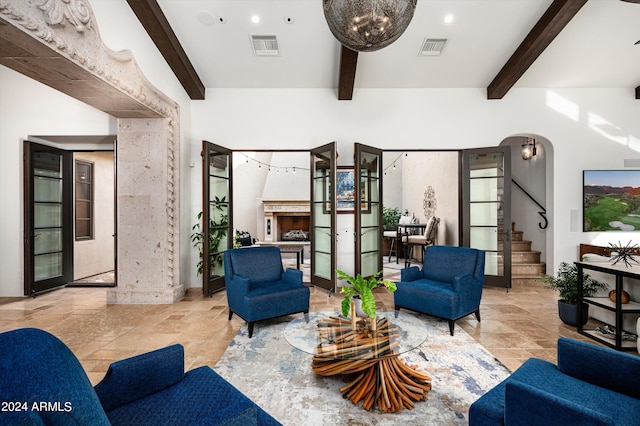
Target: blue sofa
258 288
448 286
591 385
43 383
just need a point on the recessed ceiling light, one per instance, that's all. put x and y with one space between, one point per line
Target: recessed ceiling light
448 18
206 18
255 19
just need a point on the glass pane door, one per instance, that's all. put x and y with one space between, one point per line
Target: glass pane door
48 230
368 210
487 210
323 216
217 215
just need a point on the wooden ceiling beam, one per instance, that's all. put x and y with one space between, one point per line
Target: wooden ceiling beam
155 23
552 22
347 76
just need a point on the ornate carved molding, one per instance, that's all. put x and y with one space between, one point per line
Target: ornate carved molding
77 12
80 43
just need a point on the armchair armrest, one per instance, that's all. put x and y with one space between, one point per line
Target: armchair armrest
411 273
140 376
292 276
603 367
526 405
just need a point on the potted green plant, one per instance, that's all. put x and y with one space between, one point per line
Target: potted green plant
362 288
566 284
217 233
390 218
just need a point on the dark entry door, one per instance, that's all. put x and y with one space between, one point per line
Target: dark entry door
48 218
487 209
368 209
323 216
217 214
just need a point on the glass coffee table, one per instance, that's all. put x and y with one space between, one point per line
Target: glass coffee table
382 379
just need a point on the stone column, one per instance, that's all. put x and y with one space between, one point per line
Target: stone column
147 247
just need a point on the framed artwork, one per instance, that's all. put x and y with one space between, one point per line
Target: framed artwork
345 191
611 200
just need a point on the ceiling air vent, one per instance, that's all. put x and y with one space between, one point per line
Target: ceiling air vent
264 45
432 46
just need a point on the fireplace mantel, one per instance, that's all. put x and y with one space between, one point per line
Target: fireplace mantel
286 206
280 208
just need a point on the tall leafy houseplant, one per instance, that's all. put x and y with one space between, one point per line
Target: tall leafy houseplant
362 287
566 284
217 232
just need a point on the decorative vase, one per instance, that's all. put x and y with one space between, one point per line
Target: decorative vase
359 312
569 313
625 297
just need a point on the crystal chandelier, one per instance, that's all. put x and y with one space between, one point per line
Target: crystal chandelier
368 25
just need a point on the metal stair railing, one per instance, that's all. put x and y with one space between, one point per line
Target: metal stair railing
542 213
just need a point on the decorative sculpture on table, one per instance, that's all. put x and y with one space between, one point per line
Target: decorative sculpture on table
623 253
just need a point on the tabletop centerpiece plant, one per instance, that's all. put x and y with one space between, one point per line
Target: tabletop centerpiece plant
566 284
362 288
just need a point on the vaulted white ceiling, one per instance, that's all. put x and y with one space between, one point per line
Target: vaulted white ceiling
596 49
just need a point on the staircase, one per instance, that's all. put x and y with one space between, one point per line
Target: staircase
525 263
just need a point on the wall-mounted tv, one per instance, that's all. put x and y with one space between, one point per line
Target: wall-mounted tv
611 200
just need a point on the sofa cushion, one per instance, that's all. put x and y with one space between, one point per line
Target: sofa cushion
543 375
202 397
529 406
592 364
258 264
435 297
444 263
38 368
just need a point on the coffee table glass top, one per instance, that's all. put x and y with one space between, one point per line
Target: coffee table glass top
328 334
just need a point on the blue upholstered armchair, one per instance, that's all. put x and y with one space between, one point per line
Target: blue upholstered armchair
258 288
591 385
448 286
46 385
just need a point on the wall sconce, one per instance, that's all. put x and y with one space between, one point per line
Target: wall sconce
528 149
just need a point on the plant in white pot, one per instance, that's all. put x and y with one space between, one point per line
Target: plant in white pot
566 284
362 288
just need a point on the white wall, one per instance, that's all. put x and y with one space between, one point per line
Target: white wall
588 129
27 108
94 256
531 174
440 171
30 108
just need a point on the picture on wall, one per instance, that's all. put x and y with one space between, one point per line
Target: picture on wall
611 200
345 192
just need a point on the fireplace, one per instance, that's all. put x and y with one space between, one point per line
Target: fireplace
286 220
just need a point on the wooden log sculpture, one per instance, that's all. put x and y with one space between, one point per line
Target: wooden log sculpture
369 352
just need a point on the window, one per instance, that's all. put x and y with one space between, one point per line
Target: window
84 200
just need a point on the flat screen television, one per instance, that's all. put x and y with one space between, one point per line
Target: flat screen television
611 200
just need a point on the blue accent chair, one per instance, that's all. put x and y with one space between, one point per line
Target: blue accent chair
448 286
41 374
591 385
258 288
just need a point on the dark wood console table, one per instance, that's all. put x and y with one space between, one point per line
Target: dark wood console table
633 307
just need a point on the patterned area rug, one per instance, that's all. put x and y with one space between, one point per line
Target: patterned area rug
278 377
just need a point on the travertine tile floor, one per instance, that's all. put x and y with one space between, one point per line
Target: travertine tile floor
515 325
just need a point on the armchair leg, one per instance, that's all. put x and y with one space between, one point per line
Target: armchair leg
250 329
306 316
397 308
452 325
478 314
230 314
